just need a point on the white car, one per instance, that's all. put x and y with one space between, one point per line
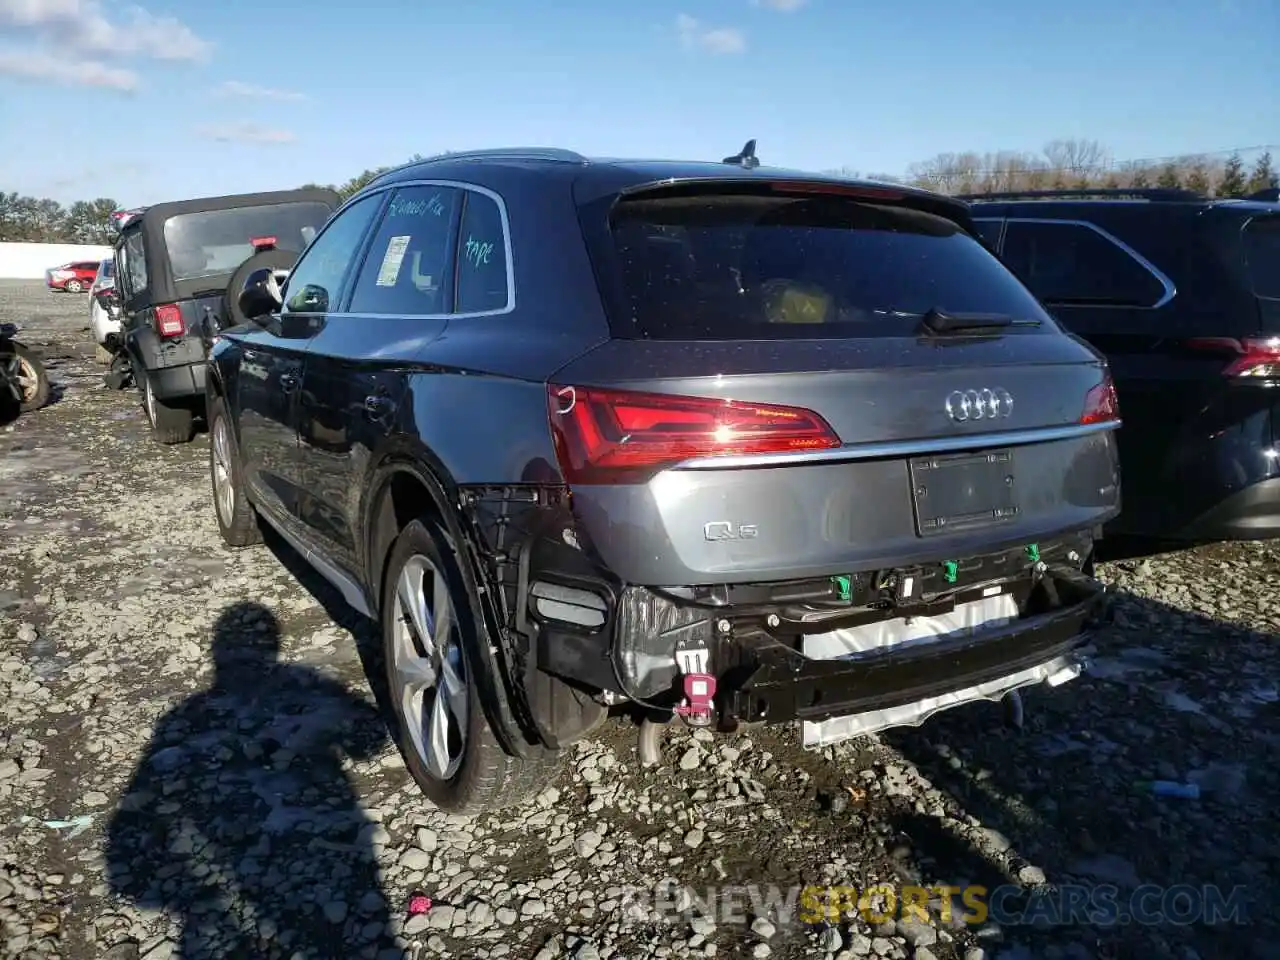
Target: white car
106 328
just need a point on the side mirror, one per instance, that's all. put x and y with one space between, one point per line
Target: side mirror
312 298
261 294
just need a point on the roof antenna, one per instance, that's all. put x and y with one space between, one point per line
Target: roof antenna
746 158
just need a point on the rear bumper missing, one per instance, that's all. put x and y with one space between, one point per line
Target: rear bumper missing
934 675
752 640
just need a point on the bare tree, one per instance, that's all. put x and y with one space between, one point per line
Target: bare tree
1077 158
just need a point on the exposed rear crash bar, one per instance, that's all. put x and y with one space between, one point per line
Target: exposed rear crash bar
784 687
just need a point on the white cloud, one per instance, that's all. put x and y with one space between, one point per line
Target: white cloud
246 133
37 66
82 26
235 88
693 35
785 6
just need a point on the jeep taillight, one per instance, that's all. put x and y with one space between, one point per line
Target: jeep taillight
169 321
1101 405
606 436
1252 357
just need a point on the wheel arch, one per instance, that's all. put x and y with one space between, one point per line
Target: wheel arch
410 483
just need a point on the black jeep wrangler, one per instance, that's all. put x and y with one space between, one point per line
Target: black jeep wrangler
175 263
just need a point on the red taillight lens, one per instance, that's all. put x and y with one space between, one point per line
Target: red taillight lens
616 436
169 321
1101 403
1251 357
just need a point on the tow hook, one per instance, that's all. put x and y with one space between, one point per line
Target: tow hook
698 706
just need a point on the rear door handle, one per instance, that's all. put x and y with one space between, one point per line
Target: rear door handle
288 382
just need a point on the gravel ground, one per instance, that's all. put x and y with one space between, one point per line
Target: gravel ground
193 762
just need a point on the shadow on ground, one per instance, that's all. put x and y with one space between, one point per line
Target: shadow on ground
240 821
1065 796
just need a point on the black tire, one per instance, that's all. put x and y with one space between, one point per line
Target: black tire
73 286
169 424
487 778
263 260
239 526
37 393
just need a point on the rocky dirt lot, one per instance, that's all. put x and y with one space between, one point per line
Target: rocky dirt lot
193 763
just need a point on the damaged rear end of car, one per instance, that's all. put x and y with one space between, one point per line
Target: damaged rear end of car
834 464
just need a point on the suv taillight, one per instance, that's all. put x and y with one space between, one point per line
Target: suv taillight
169 321
616 436
1101 404
1252 357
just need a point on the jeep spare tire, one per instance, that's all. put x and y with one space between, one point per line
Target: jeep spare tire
262 260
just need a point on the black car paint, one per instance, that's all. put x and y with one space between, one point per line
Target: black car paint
1198 453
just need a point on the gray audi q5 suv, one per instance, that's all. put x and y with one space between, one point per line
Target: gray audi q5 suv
723 443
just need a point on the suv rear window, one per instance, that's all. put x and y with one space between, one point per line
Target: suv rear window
1262 253
740 265
214 242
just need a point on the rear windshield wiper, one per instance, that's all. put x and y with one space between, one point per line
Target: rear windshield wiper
937 321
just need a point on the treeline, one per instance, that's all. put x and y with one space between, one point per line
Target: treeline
1087 165
46 221
1062 164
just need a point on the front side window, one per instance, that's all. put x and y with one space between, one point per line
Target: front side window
406 271
316 281
1073 264
213 243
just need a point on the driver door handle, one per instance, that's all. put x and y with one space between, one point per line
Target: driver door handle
288 382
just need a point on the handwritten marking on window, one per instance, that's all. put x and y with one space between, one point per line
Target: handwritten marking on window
405 207
478 252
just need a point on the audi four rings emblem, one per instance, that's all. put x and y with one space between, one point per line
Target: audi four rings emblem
984 404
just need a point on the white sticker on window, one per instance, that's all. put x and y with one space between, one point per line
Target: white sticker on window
391 261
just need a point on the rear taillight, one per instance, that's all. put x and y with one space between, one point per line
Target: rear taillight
169 321
1251 357
615 436
1101 405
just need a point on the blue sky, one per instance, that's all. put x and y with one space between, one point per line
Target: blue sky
179 98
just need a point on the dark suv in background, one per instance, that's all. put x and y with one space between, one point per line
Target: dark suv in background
713 440
174 264
1182 295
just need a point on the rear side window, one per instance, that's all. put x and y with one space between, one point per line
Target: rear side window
749 266
135 264
482 257
1262 254
405 269
1072 263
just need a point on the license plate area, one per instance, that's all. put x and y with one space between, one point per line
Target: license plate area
962 491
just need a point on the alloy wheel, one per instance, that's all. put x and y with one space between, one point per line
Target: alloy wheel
224 490
429 668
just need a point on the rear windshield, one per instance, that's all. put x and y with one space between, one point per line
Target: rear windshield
1262 253
214 242
745 266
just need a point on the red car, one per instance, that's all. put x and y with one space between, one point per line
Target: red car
72 277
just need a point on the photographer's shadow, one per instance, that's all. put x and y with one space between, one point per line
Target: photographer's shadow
240 820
